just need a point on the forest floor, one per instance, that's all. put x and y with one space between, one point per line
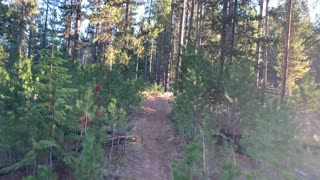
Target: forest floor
150 157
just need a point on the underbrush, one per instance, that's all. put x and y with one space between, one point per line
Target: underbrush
154 88
226 113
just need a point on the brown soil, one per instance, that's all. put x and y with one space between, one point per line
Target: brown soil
150 158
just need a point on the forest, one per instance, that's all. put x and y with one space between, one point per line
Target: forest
236 82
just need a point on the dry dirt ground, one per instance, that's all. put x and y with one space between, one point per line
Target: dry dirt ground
150 157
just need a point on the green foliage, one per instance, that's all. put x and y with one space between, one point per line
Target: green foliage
43 172
91 161
44 116
187 168
230 171
155 88
194 92
267 131
302 38
307 95
3 72
270 136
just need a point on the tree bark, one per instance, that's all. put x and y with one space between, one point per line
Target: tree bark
258 48
44 40
145 68
168 62
191 21
67 31
199 24
126 29
186 20
181 38
31 38
77 32
265 51
150 63
137 67
223 47
96 56
233 31
21 35
286 52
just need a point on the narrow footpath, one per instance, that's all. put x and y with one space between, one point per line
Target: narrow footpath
150 158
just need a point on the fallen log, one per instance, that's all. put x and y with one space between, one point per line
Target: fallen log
120 140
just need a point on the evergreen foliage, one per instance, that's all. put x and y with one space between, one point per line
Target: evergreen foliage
72 73
260 127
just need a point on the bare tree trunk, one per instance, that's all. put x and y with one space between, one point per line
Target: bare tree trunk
181 38
168 62
265 51
286 52
44 40
31 38
150 48
150 63
20 42
126 29
137 67
258 48
96 53
67 33
191 21
234 23
229 35
156 72
223 46
186 20
21 35
199 24
77 31
145 68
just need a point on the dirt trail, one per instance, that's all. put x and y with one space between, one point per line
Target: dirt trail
150 158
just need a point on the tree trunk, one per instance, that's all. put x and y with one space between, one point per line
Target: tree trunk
186 21
168 62
191 21
286 52
67 31
137 67
31 38
199 24
157 64
126 29
265 51
21 35
145 68
181 38
150 48
258 48
234 23
150 63
223 47
96 53
77 31
44 40
229 35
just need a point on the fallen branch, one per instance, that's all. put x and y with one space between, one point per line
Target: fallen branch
303 174
120 140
